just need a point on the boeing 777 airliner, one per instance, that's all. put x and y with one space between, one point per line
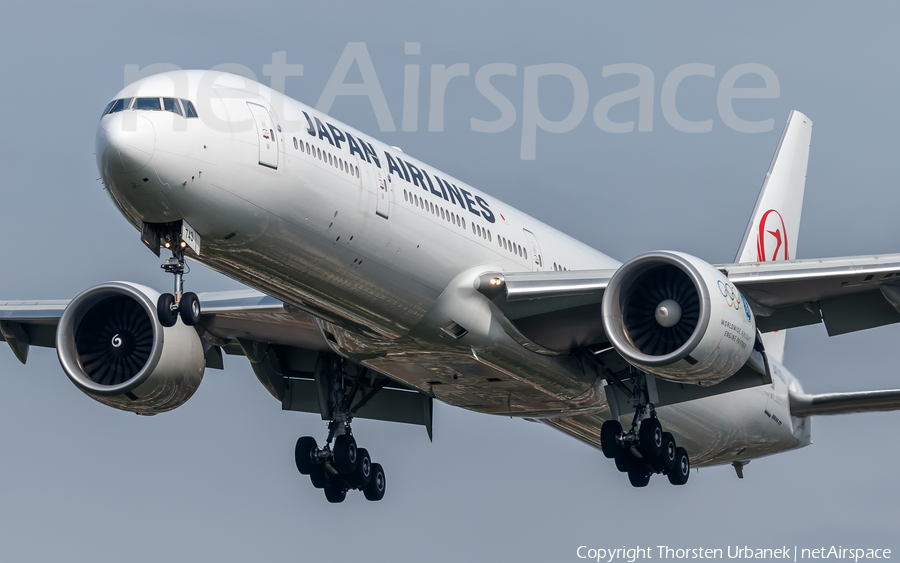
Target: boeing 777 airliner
380 284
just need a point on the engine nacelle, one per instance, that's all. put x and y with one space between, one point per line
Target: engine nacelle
679 318
112 346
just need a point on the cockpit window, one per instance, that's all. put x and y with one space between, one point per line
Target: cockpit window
108 107
118 105
147 103
169 104
189 110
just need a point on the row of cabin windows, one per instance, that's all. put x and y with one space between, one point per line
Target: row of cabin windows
483 233
511 246
436 210
459 221
325 156
559 268
183 108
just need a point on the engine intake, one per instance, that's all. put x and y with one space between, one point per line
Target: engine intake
677 317
111 345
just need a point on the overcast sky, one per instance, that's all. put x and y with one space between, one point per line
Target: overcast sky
215 479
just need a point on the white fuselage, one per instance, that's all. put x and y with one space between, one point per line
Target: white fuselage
384 250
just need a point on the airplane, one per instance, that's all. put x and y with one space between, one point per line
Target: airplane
377 284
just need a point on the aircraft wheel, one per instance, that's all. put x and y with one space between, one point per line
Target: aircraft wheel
303 454
625 462
650 437
608 434
363 472
375 489
639 477
189 307
679 475
167 317
668 454
345 454
319 476
335 492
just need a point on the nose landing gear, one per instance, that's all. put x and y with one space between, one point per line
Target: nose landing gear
169 306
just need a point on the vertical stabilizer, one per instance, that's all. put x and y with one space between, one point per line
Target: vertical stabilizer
775 224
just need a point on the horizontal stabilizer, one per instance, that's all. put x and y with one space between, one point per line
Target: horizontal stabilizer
803 405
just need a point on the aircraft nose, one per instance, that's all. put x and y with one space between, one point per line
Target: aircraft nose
125 142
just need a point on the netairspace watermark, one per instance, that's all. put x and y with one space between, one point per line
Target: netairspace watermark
782 553
520 102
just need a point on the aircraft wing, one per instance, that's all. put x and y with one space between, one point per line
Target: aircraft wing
248 323
561 310
228 317
847 294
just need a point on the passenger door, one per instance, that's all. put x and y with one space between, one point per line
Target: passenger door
537 261
268 136
383 192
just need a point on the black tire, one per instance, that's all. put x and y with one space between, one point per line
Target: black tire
650 437
668 460
335 492
625 462
303 454
608 434
345 454
679 475
319 476
639 477
167 317
363 472
375 489
189 308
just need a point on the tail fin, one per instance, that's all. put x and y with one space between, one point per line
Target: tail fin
775 224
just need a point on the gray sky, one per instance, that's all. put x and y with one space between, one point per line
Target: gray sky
215 479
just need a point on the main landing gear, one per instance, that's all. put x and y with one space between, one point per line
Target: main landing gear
169 306
644 450
340 466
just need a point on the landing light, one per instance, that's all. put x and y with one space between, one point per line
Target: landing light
168 244
183 244
496 281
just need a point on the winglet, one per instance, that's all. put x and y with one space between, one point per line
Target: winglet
775 223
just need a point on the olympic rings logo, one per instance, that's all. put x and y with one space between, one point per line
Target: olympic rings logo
731 295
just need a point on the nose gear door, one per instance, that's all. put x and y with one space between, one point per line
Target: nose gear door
268 139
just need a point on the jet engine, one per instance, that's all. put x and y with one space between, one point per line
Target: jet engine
677 317
112 346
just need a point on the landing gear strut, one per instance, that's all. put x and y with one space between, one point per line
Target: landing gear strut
340 466
169 306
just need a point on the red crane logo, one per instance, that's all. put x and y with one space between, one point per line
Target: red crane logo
771 226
